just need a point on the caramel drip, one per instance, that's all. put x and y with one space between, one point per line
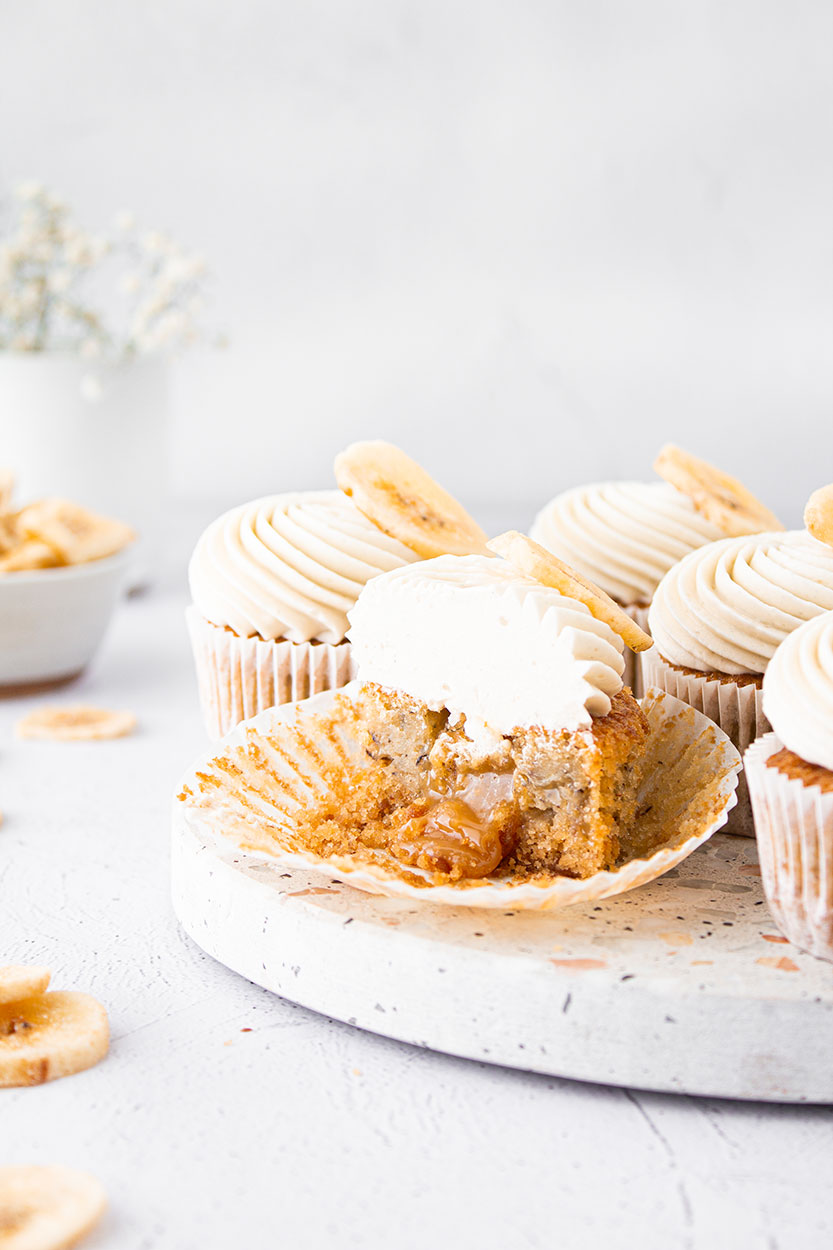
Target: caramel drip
450 838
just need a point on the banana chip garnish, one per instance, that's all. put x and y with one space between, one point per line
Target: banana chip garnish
818 515
535 561
405 502
721 499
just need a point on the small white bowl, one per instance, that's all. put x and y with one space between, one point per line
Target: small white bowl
52 620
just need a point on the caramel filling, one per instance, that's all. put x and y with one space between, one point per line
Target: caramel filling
450 838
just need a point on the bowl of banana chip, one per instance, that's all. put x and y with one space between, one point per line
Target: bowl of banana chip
62 569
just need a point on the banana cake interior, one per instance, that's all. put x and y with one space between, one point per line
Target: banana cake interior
534 801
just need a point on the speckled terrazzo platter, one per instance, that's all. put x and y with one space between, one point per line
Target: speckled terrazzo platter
683 984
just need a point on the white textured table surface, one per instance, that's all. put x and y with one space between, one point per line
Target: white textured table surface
226 1117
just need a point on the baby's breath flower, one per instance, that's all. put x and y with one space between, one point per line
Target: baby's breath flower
153 241
51 273
29 190
28 299
59 280
78 251
125 221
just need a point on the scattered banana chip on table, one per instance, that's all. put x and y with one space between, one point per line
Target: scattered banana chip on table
405 502
47 1036
535 561
818 515
21 981
47 1208
721 499
75 723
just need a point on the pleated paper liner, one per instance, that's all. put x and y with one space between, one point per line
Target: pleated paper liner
632 675
285 760
736 707
240 677
794 827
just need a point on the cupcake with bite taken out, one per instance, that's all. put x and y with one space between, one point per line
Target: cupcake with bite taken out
625 536
272 581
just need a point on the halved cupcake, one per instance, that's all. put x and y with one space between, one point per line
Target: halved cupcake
487 755
272 581
625 536
496 704
790 777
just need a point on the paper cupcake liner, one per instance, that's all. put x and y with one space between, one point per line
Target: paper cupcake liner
283 761
632 675
794 827
737 709
240 677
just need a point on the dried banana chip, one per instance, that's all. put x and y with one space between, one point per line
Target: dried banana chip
535 561
721 499
75 722
47 1208
405 502
74 533
818 515
22 981
50 1035
30 553
6 489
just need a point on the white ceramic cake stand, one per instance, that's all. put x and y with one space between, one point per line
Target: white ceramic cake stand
681 985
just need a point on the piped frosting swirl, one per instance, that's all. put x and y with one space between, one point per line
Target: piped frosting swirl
474 635
290 566
624 536
798 691
726 607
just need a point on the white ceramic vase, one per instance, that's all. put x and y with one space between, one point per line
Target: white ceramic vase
93 432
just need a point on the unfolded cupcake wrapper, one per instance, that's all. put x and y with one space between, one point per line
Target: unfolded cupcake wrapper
737 709
632 675
247 794
240 677
794 827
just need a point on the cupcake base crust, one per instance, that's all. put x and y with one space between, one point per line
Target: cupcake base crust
792 765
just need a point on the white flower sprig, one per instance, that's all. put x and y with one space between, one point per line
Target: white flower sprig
63 288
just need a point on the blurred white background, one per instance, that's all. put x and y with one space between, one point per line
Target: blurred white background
529 240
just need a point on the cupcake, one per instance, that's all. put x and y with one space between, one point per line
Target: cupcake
487 754
625 536
272 581
790 778
717 618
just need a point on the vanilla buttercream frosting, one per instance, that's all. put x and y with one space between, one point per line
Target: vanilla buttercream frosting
624 536
289 566
726 607
472 634
798 691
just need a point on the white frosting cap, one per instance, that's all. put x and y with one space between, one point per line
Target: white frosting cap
726 607
624 536
472 634
798 691
289 566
